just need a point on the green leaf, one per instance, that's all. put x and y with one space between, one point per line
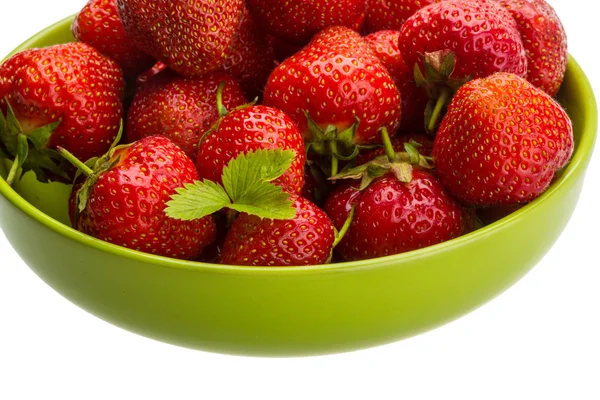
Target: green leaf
266 200
22 149
197 200
39 137
251 169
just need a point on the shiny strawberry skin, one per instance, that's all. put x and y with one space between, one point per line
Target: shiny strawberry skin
482 34
414 99
545 42
99 25
296 21
391 14
191 37
127 204
336 78
73 83
252 57
398 143
250 129
182 109
305 240
502 142
392 217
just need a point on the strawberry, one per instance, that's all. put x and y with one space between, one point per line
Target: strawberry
502 142
296 21
338 93
283 49
423 143
249 129
414 99
182 109
67 95
392 217
545 42
456 40
191 37
307 239
252 57
124 198
391 14
99 25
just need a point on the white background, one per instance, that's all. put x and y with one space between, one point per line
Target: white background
539 340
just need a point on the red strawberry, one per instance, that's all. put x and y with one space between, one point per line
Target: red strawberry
456 40
191 37
336 79
252 57
391 14
124 198
414 99
296 21
305 240
99 25
424 142
502 141
248 129
393 217
73 91
182 109
545 42
482 35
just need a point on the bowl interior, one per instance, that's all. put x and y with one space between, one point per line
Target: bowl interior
48 202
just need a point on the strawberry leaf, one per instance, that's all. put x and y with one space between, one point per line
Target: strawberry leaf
266 200
245 173
197 200
246 188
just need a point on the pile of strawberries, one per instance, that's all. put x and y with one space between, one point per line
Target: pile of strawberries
377 127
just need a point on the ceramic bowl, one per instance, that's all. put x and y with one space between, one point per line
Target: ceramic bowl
290 311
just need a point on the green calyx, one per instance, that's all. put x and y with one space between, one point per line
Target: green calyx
247 187
29 150
93 168
439 84
333 144
401 164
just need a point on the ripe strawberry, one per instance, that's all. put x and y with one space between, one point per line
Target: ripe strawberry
393 217
305 240
336 80
296 21
99 25
545 42
191 37
67 95
414 99
391 14
182 109
248 129
502 141
424 142
252 57
124 198
482 35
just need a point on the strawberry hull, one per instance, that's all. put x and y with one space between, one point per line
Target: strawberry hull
291 311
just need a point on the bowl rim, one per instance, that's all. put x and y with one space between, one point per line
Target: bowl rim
578 162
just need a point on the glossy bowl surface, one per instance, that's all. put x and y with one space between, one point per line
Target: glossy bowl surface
290 311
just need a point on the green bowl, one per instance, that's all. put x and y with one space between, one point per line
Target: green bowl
290 311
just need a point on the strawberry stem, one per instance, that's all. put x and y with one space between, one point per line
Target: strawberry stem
335 163
387 144
442 100
13 171
344 230
87 171
222 109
